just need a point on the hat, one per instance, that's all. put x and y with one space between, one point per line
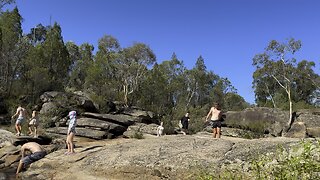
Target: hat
72 114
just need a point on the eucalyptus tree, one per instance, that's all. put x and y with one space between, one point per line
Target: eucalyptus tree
305 82
101 75
265 88
234 102
278 63
38 34
82 61
6 2
132 67
200 83
10 57
154 91
221 87
174 73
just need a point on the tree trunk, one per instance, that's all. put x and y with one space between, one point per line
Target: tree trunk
290 110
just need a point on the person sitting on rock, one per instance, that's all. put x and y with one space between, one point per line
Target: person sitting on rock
160 130
71 131
37 152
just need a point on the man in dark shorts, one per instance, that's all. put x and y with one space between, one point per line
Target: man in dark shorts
185 123
37 152
215 120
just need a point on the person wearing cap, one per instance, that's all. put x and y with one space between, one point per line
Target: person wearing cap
71 131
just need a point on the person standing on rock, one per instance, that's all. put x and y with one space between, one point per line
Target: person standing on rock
71 131
185 123
37 152
215 120
160 130
22 112
33 124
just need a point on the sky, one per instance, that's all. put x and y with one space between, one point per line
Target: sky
226 33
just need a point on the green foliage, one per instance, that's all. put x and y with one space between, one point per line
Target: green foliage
279 79
234 102
39 61
5 2
169 124
299 162
137 135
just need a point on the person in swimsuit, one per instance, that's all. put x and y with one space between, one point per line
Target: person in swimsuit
71 131
33 124
185 123
22 112
37 152
215 113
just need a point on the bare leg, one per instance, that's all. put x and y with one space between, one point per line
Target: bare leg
214 132
19 167
218 132
18 129
30 130
19 126
70 142
35 132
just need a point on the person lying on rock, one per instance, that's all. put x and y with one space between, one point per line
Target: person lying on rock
37 152
71 131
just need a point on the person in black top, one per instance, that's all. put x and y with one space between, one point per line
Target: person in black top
185 123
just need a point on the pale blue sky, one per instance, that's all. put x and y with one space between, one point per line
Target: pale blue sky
227 33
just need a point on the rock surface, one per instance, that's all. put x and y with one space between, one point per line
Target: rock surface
167 157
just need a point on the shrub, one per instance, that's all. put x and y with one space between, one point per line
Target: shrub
137 135
299 162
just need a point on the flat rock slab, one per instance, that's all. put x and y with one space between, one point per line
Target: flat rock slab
169 157
84 132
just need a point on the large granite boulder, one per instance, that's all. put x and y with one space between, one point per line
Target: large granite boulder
142 116
311 120
297 130
122 119
142 128
261 120
56 105
6 137
110 127
83 132
235 132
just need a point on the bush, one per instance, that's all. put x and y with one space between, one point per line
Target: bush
299 162
137 135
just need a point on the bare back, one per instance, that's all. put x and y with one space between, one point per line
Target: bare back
33 147
21 111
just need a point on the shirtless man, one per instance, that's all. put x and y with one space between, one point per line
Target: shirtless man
37 152
215 119
22 112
